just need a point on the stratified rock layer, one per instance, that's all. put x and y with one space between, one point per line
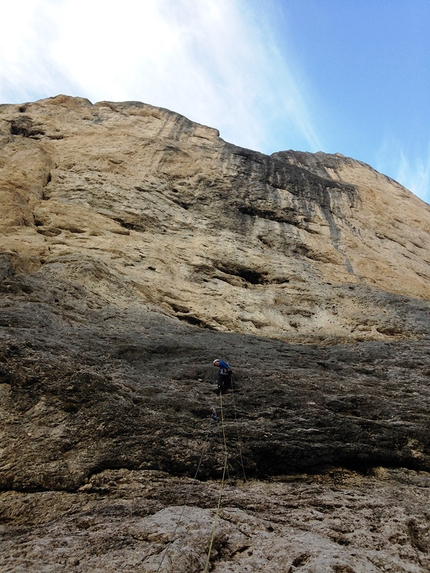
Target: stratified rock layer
138 203
136 247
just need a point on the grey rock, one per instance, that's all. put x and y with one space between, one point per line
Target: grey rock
136 247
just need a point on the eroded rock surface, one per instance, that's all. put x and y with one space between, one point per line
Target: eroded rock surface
127 521
137 202
136 247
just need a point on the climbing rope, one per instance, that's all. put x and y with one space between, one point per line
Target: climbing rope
193 483
225 472
225 469
237 432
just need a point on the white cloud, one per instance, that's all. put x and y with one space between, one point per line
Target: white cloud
415 175
412 173
26 69
206 59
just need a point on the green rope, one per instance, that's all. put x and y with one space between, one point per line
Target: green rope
221 489
165 552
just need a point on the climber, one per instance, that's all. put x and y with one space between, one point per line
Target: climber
224 375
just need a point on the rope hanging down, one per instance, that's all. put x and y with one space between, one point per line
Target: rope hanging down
221 488
188 496
236 423
215 418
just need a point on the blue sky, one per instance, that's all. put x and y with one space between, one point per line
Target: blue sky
347 76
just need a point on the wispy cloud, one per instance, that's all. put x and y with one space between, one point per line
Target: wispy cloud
411 172
210 60
415 175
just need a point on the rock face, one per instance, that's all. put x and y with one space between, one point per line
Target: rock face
136 247
141 205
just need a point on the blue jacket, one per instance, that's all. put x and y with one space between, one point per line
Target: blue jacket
224 366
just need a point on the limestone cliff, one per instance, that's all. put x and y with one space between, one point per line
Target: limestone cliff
136 247
143 206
